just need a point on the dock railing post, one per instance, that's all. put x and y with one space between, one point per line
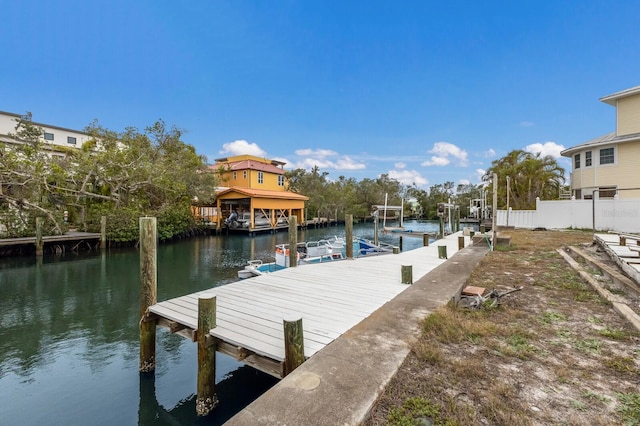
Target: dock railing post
293 241
293 345
103 232
348 238
206 399
425 239
407 274
148 293
39 242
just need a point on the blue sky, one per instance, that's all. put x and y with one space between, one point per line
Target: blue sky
425 91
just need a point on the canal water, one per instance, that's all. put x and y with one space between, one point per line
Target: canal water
69 332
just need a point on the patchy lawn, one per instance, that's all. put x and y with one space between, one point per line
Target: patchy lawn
553 353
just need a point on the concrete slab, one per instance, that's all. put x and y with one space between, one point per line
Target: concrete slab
340 384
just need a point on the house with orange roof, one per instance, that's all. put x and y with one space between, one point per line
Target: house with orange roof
253 195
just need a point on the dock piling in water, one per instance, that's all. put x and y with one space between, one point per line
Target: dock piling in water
293 241
348 238
103 232
206 399
148 293
39 243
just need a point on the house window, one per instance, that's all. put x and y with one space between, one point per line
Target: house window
48 136
260 177
244 174
587 159
280 180
607 191
606 156
71 140
576 161
235 175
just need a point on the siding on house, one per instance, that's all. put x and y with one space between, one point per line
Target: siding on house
628 115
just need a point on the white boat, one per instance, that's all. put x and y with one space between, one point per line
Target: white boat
313 252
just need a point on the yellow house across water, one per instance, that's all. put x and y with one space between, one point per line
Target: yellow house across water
253 196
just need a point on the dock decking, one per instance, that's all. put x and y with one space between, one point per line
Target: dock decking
330 298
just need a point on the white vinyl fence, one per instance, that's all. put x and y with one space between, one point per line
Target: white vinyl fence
610 215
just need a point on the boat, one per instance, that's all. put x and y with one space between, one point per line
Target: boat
311 252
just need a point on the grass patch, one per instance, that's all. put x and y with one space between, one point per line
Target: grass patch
416 411
614 334
592 396
428 352
552 317
593 346
629 408
621 364
451 325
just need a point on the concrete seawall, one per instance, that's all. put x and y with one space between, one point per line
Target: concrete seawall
340 384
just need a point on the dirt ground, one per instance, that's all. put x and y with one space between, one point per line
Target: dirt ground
554 353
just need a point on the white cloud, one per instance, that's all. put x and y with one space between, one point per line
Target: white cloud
479 174
400 165
408 177
444 153
316 153
490 153
242 147
322 159
548 148
464 181
526 124
436 161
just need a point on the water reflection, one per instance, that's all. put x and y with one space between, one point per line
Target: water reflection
69 333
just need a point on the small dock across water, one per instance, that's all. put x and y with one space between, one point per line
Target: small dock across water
330 298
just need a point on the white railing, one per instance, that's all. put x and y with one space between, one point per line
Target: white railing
610 215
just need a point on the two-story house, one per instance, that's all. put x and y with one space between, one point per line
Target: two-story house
254 194
609 165
56 139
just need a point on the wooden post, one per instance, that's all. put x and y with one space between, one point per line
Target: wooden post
375 230
148 293
623 240
441 234
39 242
103 232
457 219
206 399
442 252
460 242
348 238
494 211
400 242
396 250
425 240
293 241
407 274
482 229
293 345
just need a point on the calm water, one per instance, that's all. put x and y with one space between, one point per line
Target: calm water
69 333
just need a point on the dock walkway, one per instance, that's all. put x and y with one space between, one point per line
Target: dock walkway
331 298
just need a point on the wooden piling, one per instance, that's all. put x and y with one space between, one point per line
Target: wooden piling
293 241
148 293
460 242
442 252
103 232
348 238
407 274
441 233
39 242
396 250
400 242
375 230
425 240
293 345
206 399
623 240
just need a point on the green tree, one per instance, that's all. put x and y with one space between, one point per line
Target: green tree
531 176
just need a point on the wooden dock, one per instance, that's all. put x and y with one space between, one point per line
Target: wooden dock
330 298
51 239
